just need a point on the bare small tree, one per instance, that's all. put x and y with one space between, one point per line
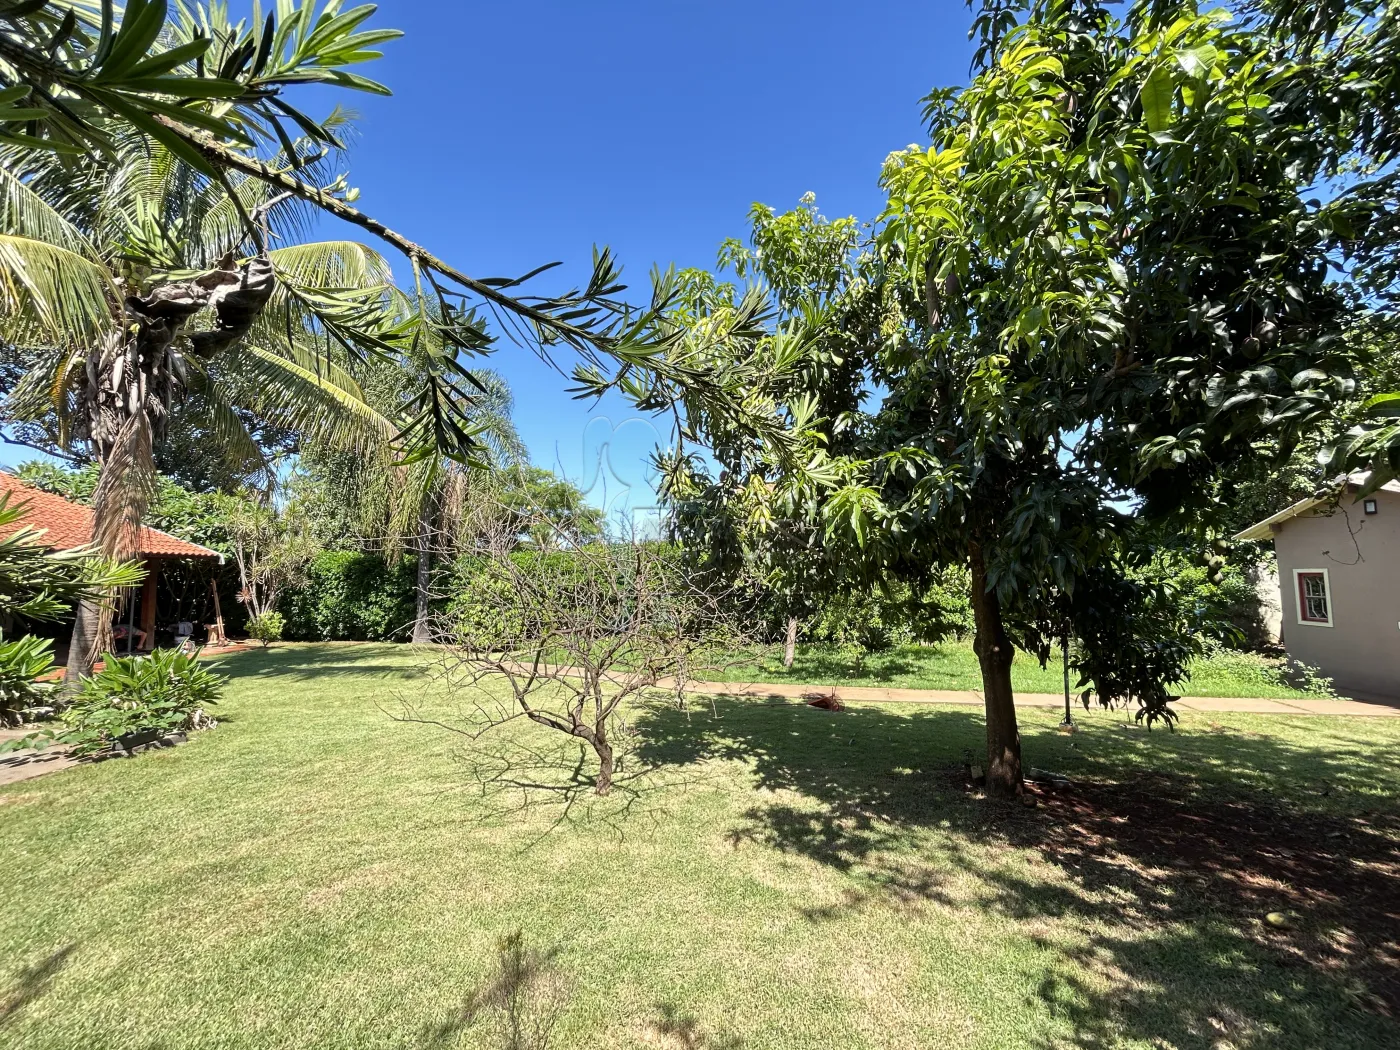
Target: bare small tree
270 547
569 638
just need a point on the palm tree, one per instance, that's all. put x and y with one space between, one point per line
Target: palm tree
444 491
130 284
422 506
78 75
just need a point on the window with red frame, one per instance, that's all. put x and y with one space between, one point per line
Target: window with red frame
1313 601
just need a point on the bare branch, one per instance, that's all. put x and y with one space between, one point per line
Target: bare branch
577 636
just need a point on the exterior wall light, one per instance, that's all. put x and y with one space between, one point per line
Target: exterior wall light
1371 506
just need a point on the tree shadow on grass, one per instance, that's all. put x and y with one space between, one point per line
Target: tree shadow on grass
832 667
31 983
1165 860
674 1029
521 1000
312 662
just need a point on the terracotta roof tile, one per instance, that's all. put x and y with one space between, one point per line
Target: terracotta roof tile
67 524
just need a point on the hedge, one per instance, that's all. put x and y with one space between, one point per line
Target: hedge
353 597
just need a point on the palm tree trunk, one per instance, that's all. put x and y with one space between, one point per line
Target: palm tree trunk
127 399
422 625
82 650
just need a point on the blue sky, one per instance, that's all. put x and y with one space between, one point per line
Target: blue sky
526 132
521 133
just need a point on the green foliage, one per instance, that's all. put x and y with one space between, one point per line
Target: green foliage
480 609
1134 641
229 78
165 692
477 608
22 661
1221 604
876 620
194 516
267 628
41 585
1261 677
807 271
212 98
551 511
272 546
351 596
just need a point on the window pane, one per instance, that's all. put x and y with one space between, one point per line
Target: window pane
1314 594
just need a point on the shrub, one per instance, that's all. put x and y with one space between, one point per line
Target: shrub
874 620
1215 595
352 597
267 627
22 661
165 692
479 607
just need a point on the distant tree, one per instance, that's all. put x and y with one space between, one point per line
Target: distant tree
548 511
271 548
190 515
207 97
808 271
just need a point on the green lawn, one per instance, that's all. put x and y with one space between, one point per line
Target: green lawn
313 873
953 665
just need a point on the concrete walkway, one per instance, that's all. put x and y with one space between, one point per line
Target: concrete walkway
23 765
865 694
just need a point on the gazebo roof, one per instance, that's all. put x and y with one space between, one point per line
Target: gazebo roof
66 524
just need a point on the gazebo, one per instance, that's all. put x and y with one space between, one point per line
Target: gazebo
66 525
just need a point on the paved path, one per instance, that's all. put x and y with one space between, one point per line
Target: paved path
864 694
867 694
22 765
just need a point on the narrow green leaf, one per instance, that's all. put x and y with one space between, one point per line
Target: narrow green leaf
1157 94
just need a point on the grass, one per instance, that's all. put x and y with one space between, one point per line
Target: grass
953 666
315 874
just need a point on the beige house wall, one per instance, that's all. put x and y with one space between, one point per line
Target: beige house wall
1361 649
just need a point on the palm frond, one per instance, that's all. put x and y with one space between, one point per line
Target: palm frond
215 415
332 265
52 295
316 406
24 213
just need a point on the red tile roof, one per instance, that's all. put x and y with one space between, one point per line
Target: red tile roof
66 524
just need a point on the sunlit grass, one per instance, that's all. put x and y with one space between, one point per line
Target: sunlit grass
953 665
315 874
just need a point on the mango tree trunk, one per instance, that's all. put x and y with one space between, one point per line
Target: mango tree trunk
994 655
790 648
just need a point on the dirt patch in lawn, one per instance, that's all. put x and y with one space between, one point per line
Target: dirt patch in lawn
1317 891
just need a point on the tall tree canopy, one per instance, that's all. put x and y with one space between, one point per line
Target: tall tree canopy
133 316
1104 280
77 76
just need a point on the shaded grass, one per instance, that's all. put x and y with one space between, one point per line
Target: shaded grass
953 666
315 874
